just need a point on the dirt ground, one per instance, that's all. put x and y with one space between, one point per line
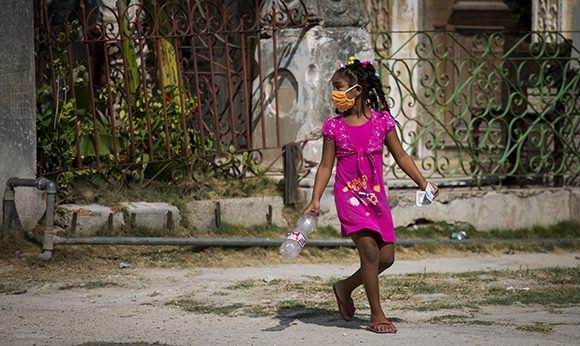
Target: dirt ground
517 299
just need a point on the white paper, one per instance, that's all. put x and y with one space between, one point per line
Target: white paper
425 197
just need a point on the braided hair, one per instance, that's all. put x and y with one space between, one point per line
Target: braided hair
364 74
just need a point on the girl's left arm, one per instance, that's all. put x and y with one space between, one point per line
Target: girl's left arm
405 161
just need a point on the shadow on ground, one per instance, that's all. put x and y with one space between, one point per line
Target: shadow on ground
319 316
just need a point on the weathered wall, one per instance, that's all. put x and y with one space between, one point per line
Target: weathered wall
379 15
17 104
571 23
304 89
501 209
484 209
308 58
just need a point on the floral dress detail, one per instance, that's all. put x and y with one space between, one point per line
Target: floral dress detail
359 189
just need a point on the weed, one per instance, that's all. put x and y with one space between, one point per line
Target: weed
538 327
441 305
191 305
257 311
243 284
90 285
554 296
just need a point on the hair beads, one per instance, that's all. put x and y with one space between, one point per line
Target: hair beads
363 73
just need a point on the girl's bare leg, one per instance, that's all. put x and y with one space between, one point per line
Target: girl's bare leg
386 260
375 257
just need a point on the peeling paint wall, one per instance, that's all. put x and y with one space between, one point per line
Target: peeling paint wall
17 105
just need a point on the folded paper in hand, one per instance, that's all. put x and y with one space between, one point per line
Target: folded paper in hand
425 197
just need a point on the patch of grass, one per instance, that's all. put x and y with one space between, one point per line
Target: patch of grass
265 231
405 287
554 296
257 311
554 287
444 318
439 230
303 309
195 306
90 285
442 230
219 293
433 230
97 190
310 286
481 322
447 318
441 305
293 304
563 229
550 287
186 257
242 284
460 319
538 327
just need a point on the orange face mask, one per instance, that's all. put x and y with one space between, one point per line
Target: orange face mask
341 101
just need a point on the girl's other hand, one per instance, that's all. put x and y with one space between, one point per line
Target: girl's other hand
435 189
313 207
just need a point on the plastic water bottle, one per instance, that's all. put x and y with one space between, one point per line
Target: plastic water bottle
298 236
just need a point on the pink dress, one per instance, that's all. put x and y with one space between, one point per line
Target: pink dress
359 189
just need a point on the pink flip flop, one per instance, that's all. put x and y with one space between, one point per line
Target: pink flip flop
343 309
373 327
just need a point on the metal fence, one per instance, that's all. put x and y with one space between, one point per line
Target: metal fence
183 80
143 81
496 106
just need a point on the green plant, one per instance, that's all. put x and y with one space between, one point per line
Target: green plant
129 129
58 118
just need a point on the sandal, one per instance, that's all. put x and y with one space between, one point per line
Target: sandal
346 312
373 327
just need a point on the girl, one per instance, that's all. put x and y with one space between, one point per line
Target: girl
355 137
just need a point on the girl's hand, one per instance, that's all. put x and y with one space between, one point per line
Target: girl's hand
313 207
435 189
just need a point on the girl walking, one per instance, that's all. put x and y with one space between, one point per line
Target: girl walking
355 137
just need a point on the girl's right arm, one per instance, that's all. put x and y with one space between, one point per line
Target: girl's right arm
322 176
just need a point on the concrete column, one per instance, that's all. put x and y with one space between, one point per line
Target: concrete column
406 17
17 105
558 15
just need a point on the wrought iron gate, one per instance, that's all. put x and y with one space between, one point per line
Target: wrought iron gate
485 105
139 81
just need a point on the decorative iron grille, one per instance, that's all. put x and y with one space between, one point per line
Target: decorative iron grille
485 105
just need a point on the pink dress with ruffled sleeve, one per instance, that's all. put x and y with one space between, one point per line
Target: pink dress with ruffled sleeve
359 189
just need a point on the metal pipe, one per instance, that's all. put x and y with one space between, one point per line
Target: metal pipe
13 182
203 242
265 242
8 209
49 231
10 215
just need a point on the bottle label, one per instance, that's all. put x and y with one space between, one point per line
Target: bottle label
298 237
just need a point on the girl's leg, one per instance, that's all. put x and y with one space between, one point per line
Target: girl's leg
386 260
369 254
